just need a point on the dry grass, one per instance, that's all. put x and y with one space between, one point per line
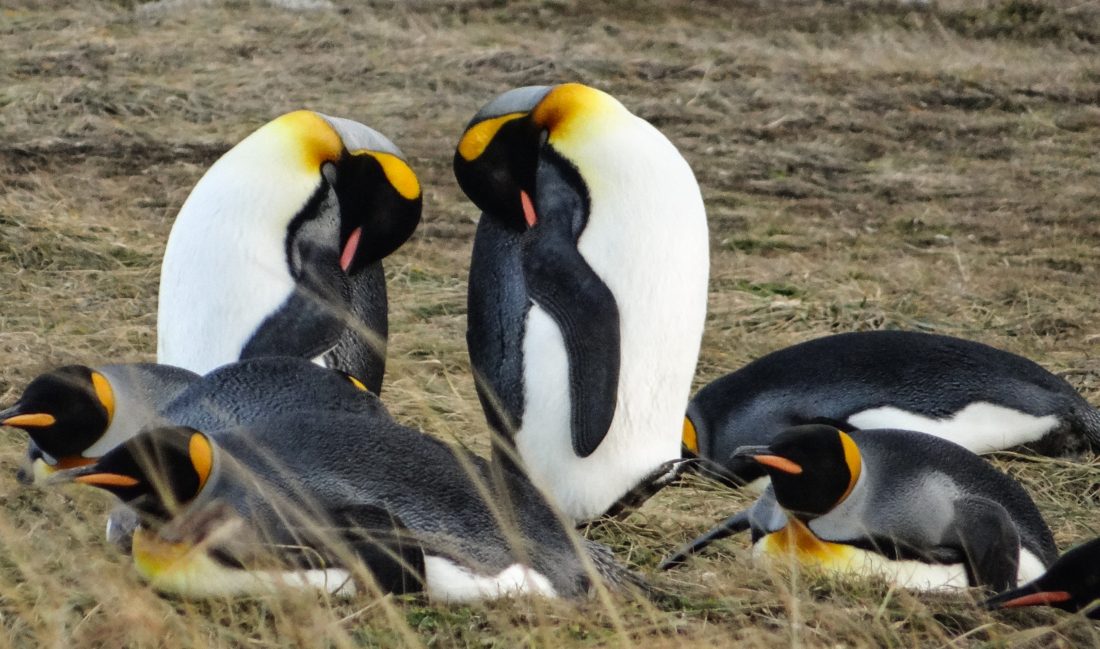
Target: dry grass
866 165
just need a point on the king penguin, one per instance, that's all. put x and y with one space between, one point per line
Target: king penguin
419 514
277 250
1071 584
917 510
587 290
980 397
74 414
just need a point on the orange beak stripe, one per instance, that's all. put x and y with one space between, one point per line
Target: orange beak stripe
36 420
1038 599
106 480
73 461
777 462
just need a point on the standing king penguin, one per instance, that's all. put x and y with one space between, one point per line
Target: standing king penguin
917 510
277 250
587 292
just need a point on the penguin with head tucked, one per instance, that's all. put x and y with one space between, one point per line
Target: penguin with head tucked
979 397
277 250
920 511
302 486
1071 584
587 292
74 414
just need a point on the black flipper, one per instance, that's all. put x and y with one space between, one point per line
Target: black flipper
989 541
385 545
658 479
361 347
311 320
561 282
496 317
738 522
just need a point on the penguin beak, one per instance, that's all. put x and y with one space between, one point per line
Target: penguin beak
1041 598
763 455
89 475
16 419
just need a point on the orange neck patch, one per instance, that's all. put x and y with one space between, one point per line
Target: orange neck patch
689 438
105 394
202 458
477 138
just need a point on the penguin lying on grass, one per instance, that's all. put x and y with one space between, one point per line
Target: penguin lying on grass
277 250
977 396
1071 584
587 292
74 414
311 489
920 511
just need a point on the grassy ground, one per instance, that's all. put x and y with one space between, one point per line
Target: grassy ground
865 165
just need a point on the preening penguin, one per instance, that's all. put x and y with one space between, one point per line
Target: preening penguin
977 396
304 487
277 250
1071 584
587 292
915 509
74 414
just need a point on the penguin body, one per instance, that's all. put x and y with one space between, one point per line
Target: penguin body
277 250
76 413
1072 583
918 510
587 292
977 396
408 505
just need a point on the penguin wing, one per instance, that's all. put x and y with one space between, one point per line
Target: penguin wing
984 532
560 281
361 347
310 321
738 522
384 544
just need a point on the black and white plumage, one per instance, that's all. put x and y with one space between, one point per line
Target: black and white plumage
975 395
277 251
915 509
587 292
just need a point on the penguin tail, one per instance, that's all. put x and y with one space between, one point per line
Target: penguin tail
617 577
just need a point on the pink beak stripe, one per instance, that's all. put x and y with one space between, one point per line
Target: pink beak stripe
528 209
1038 599
348 253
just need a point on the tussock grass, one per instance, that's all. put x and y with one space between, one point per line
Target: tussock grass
865 165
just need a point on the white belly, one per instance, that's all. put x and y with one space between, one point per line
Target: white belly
980 427
451 583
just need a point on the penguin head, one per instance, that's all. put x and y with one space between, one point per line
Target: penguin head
346 187
1071 584
65 411
156 472
813 468
504 145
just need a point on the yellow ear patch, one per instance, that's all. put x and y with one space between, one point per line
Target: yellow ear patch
397 173
357 383
105 394
202 457
316 140
560 109
853 459
477 137
690 439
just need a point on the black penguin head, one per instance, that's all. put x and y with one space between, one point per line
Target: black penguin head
497 160
377 195
1071 584
813 468
155 472
65 411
